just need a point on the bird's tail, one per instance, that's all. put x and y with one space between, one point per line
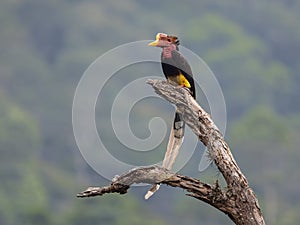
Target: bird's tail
175 141
152 190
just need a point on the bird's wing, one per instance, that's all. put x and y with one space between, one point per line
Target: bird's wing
182 64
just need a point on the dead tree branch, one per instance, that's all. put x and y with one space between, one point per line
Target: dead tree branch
156 174
238 201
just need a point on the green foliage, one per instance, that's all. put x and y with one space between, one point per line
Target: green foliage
19 136
252 47
266 144
112 210
261 124
226 45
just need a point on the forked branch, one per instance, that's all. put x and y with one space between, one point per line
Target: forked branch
238 201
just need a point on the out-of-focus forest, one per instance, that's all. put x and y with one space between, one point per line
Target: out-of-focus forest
45 47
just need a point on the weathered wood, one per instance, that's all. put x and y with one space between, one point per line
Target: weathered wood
151 175
238 201
211 194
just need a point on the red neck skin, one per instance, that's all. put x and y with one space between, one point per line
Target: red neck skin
167 51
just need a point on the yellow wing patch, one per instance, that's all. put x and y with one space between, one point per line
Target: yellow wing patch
183 81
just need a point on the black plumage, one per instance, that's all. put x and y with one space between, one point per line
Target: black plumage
175 66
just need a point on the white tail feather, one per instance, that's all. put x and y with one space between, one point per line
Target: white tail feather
173 147
152 190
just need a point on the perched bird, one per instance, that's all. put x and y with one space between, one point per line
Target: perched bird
177 70
174 65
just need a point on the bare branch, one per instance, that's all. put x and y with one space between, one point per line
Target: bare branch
238 201
157 174
149 175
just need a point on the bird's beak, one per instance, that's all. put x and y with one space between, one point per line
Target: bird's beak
154 43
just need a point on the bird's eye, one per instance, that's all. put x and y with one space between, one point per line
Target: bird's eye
169 39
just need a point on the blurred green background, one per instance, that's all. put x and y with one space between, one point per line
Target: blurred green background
45 46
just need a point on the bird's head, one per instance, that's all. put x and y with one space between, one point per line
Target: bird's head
164 40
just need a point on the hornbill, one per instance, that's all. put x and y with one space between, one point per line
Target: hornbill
177 70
